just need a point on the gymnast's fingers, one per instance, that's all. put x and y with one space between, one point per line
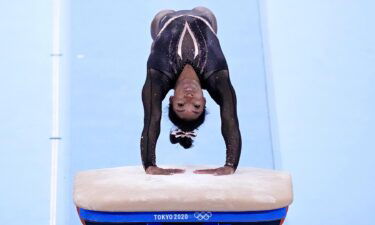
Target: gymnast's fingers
224 171
179 171
176 171
205 171
161 172
166 172
154 170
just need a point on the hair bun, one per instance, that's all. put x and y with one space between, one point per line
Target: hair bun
185 139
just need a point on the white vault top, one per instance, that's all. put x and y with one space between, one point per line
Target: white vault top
129 189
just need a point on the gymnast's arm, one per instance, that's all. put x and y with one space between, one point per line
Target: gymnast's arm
154 90
222 91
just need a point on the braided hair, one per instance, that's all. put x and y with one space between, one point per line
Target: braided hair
186 129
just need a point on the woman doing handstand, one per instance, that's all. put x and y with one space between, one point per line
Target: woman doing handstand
186 56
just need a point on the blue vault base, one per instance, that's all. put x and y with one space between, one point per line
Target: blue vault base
274 217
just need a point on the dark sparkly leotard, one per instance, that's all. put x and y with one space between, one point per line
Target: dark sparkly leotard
180 38
186 37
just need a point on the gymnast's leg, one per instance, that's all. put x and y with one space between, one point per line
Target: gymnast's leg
155 24
205 12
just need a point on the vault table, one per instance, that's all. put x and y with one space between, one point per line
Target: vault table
127 195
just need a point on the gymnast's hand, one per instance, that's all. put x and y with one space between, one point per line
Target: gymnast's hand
225 170
154 170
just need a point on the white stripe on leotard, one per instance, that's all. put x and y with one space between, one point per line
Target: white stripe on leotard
205 21
173 18
167 23
179 49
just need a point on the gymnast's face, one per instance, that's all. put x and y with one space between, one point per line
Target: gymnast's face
188 101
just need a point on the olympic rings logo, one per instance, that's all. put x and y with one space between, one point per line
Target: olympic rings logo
202 215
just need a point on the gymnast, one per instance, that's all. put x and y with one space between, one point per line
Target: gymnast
186 56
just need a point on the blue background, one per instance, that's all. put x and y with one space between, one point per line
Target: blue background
108 51
321 58
303 72
107 68
25 111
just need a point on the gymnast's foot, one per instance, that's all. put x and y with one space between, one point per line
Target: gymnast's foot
154 170
225 170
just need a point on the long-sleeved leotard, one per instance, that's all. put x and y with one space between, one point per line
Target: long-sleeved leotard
220 89
154 90
187 37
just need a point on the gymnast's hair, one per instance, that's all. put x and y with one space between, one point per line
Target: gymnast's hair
185 126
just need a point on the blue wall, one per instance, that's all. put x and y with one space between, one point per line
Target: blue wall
321 58
319 61
25 84
109 46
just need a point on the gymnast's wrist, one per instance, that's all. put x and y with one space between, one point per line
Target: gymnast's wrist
231 165
147 165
